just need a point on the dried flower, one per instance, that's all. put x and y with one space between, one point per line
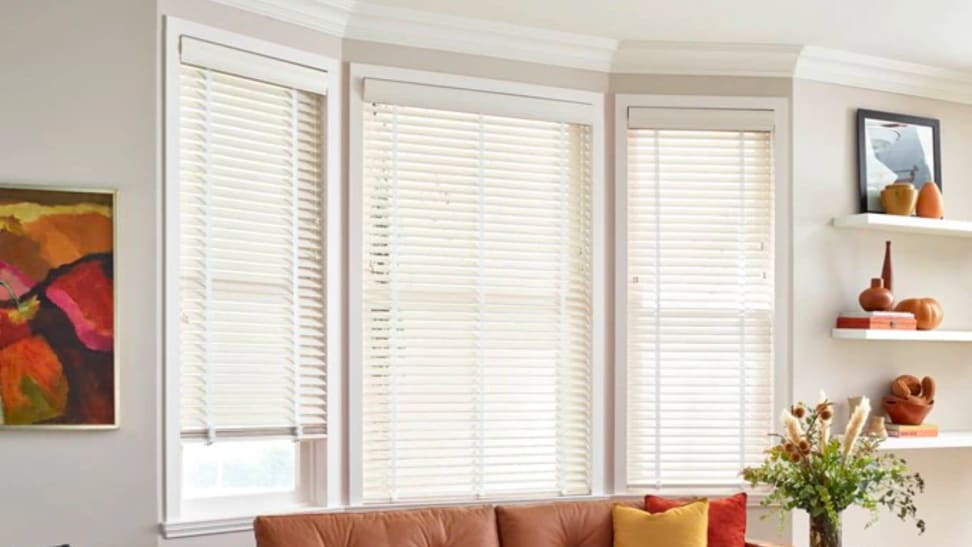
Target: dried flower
824 417
804 447
795 457
799 411
789 447
792 426
856 425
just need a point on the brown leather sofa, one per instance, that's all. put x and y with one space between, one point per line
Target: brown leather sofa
560 524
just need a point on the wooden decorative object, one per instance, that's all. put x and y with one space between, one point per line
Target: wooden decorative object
905 412
930 203
905 386
911 399
899 198
876 298
928 311
887 273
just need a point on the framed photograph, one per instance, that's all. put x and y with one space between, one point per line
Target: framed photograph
895 148
57 309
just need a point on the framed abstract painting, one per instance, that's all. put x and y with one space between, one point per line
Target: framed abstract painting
58 367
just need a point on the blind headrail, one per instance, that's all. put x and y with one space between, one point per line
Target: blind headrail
457 99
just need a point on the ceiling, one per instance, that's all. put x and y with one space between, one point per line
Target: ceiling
933 32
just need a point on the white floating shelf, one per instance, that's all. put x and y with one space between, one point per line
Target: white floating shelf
945 439
903 335
898 223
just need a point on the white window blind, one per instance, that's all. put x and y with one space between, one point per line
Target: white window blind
476 306
251 260
700 305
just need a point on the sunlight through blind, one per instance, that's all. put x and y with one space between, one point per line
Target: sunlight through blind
700 301
251 284
476 306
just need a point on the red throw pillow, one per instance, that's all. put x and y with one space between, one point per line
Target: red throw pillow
727 517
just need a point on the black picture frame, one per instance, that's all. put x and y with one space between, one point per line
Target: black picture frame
862 152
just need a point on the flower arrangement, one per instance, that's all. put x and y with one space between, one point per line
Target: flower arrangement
810 470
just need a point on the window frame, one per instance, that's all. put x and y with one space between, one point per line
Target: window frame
783 256
599 241
319 463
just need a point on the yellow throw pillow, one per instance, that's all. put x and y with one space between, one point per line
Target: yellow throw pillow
684 526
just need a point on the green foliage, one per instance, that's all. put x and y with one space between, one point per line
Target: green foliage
818 475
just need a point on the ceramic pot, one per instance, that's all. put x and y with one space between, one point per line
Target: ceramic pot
899 198
928 311
912 411
930 204
876 298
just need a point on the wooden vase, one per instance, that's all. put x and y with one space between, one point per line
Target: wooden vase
899 199
886 271
876 298
930 203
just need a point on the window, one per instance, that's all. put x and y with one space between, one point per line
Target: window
476 295
699 300
247 276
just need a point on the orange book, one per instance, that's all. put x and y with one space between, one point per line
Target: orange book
924 430
886 323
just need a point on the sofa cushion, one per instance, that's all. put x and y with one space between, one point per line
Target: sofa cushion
445 527
562 524
727 517
683 526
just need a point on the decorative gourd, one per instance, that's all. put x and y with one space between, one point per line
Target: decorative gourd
928 311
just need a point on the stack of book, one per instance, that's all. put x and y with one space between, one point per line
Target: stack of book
923 430
877 320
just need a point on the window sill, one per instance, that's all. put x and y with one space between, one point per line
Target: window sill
227 525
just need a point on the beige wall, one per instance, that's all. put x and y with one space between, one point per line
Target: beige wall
356 51
78 108
661 84
832 266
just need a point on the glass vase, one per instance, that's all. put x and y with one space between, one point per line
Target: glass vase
824 532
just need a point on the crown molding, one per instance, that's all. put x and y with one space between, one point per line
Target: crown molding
706 59
881 74
422 29
327 16
362 20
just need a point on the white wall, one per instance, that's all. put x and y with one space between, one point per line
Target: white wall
78 108
832 266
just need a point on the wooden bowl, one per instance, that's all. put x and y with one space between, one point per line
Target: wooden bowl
905 412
